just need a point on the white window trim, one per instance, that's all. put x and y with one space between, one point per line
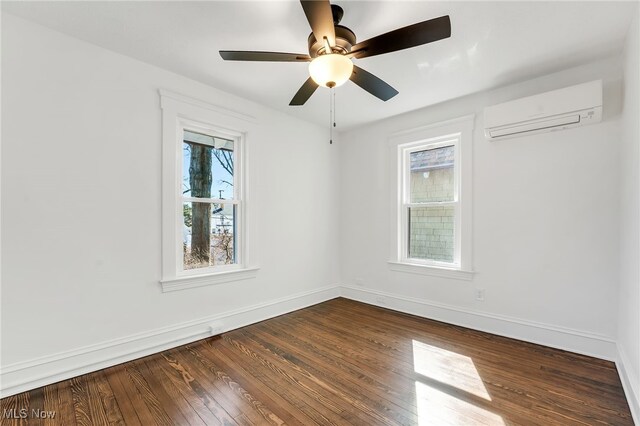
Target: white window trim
180 112
459 130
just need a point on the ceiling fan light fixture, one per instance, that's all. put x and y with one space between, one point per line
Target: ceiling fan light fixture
331 70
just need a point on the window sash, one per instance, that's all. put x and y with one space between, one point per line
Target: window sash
214 132
210 200
405 203
406 239
215 268
432 204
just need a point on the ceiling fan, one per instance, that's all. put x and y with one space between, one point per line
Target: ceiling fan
332 48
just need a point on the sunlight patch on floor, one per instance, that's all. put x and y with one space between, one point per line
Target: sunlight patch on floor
449 368
440 408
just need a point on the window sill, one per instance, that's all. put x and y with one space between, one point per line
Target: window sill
413 268
183 283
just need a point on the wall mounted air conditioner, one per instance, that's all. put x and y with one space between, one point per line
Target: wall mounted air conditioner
556 110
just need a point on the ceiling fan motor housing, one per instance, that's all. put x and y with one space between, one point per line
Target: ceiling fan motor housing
345 39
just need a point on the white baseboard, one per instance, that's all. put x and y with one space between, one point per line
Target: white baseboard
629 379
578 341
26 375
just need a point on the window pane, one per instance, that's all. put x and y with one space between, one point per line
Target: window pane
208 234
207 166
431 175
431 234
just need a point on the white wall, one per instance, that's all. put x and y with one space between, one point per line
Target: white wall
629 311
81 173
545 223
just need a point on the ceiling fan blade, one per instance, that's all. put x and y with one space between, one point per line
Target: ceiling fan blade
320 19
404 38
238 55
372 84
304 93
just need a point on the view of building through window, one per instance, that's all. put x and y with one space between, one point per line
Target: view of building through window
209 211
431 184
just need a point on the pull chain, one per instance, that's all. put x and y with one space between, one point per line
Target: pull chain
334 106
332 113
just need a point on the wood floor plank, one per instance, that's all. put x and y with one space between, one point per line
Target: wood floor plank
65 412
243 420
312 385
260 384
391 358
538 380
408 373
368 405
36 407
109 402
50 402
167 395
23 401
281 382
272 407
337 363
232 397
157 411
208 409
309 348
11 406
549 406
81 401
132 405
123 398
530 368
96 407
202 382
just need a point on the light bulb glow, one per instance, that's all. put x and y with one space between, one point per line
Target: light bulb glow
331 70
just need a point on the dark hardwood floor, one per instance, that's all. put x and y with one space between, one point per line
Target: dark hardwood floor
341 362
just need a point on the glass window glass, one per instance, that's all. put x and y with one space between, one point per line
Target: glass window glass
431 175
431 233
208 234
207 166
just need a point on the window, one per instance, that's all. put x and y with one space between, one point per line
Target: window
431 202
210 202
204 237
431 225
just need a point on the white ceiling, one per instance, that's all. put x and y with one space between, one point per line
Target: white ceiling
492 44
